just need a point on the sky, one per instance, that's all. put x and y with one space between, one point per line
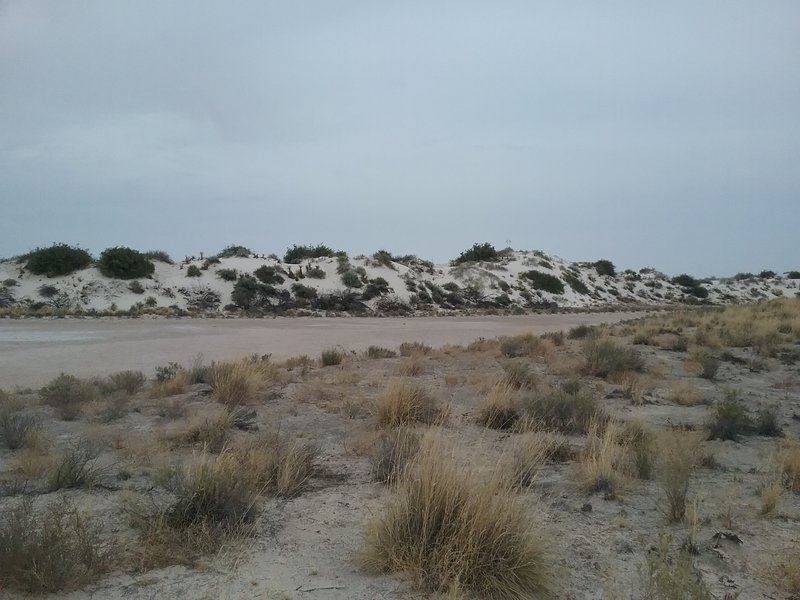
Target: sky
653 134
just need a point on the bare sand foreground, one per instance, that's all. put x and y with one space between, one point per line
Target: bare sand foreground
32 352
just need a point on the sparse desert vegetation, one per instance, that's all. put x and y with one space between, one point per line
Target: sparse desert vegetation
534 466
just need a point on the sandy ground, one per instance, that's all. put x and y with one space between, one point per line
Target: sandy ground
32 352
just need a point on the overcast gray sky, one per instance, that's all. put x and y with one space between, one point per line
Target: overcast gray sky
661 134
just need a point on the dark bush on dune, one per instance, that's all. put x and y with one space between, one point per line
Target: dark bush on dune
478 252
58 259
124 263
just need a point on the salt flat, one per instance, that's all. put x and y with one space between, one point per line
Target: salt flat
34 351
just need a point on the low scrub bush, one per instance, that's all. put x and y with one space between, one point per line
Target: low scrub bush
297 254
212 433
411 366
227 274
235 251
248 293
57 260
498 409
392 453
124 263
478 252
768 422
522 345
136 287
350 279
686 394
575 283
331 356
281 464
379 352
452 530
406 403
67 395
17 429
268 275
605 357
159 255
579 332
127 381
729 418
544 281
52 550
605 268
193 271
709 366
315 272
519 374
77 468
409 348
566 411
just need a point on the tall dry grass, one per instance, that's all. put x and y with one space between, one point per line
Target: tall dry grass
449 528
406 402
238 383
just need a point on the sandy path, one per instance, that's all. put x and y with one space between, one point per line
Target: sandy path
34 351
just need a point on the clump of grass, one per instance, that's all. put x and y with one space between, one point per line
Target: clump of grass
392 453
565 410
579 332
686 394
605 357
17 429
236 383
709 366
767 422
679 453
518 373
729 418
642 447
788 459
171 386
450 529
522 345
52 550
77 468
409 348
405 403
771 494
602 466
788 570
211 432
331 356
412 366
498 409
281 464
67 395
671 575
379 352
530 451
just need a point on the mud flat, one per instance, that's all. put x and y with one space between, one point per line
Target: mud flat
34 351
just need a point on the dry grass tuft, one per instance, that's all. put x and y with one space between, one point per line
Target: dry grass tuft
376 352
567 410
686 394
76 468
392 453
411 348
498 409
172 386
788 571
788 459
331 357
525 345
67 395
519 374
411 366
18 429
52 550
529 451
602 467
237 383
451 530
281 464
679 455
405 403
605 357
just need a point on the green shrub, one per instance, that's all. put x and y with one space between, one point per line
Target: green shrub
160 256
235 252
268 275
9 283
485 252
67 393
766 274
51 550
351 279
47 290
384 258
729 418
136 287
58 259
297 254
304 292
248 293
378 352
605 357
605 267
685 280
76 469
793 275
544 281
315 273
16 428
227 274
193 271
124 263
128 381
575 283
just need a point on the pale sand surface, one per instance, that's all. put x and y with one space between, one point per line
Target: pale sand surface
34 351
